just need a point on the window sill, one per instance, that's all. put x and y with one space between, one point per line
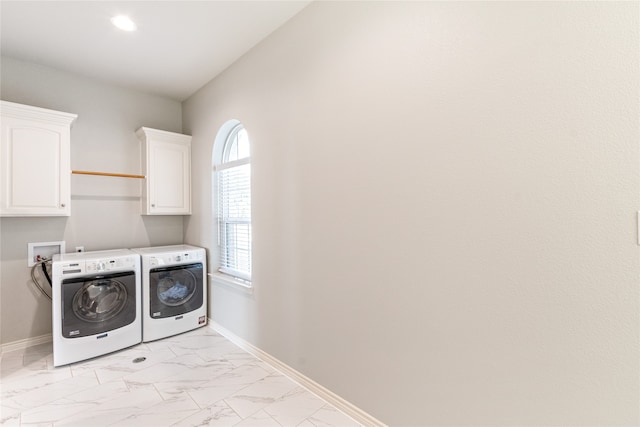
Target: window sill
227 280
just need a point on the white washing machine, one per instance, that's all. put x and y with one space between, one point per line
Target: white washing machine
96 304
174 290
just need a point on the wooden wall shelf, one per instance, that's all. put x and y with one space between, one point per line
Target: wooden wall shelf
119 175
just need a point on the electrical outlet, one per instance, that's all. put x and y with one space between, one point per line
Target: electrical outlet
37 252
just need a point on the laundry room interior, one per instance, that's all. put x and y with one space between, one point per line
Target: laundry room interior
445 199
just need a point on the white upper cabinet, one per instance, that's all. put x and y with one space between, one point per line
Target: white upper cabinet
35 161
166 164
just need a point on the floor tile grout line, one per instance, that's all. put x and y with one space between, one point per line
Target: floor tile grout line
231 408
189 349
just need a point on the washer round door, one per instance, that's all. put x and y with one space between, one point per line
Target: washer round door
175 290
97 304
100 300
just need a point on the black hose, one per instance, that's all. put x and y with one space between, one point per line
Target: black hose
46 273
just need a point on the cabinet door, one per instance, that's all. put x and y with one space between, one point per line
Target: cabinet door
169 178
35 168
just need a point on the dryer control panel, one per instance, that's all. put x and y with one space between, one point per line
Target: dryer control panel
176 258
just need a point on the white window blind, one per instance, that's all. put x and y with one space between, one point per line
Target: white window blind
234 217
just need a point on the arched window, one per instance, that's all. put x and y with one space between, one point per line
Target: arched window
233 178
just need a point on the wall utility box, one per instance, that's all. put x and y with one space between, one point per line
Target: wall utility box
37 252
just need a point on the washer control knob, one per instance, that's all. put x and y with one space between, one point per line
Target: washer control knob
178 258
100 266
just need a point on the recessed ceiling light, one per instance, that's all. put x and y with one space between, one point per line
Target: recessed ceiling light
124 23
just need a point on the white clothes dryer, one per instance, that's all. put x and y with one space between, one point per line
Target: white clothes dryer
174 290
96 304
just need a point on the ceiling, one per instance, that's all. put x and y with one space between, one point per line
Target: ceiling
178 47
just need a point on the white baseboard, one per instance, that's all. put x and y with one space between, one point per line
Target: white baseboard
25 343
354 412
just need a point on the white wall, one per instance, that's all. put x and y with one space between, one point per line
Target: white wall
445 199
105 212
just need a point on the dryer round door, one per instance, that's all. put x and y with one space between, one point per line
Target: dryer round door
97 304
175 290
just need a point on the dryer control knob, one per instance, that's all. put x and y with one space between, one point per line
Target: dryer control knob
178 258
100 266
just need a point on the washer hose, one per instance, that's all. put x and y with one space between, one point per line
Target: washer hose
46 273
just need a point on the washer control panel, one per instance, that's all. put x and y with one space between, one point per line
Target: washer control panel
73 267
98 265
110 264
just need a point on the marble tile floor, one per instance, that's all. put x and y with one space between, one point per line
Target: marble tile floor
198 378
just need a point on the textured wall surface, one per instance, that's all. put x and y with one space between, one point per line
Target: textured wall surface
444 204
